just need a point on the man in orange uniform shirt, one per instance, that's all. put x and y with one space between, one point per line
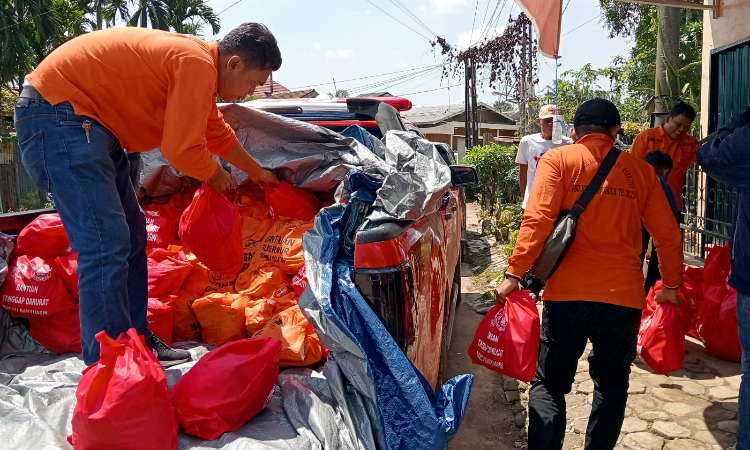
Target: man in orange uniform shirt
673 139
597 292
135 89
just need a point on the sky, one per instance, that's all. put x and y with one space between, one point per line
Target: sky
348 40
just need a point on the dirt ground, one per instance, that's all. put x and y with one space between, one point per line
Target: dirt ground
489 419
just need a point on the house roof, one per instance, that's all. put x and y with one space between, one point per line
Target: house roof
435 114
376 94
305 93
265 90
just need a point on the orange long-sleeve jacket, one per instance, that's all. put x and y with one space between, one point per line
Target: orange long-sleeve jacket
603 263
150 88
682 151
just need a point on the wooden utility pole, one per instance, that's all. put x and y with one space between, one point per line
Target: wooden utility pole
474 115
522 85
467 107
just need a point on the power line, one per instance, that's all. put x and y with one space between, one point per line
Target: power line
363 78
386 84
579 26
230 6
473 22
24 21
386 13
409 13
565 9
439 89
487 8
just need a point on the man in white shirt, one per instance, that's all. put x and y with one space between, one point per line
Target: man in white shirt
532 147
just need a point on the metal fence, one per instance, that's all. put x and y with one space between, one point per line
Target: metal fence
17 191
708 212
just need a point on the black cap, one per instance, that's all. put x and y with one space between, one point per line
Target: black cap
597 112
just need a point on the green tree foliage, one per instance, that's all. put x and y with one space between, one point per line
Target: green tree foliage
641 24
31 29
502 106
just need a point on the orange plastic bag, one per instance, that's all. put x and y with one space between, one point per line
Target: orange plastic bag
260 280
44 237
282 246
255 225
203 281
222 317
167 270
227 387
186 326
211 228
289 202
160 316
161 225
300 345
123 401
259 312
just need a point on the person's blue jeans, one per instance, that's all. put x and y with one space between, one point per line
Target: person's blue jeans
743 320
89 178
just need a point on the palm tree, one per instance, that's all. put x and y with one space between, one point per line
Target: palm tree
30 29
155 11
189 16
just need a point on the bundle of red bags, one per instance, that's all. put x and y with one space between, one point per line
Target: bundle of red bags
507 339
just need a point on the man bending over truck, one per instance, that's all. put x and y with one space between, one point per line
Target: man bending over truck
136 89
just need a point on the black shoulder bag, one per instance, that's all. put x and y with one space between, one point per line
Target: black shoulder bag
564 232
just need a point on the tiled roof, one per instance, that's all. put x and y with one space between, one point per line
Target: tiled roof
305 93
434 114
265 90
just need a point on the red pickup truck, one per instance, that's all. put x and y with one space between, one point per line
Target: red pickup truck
409 271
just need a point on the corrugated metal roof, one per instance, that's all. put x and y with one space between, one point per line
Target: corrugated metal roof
434 114
305 93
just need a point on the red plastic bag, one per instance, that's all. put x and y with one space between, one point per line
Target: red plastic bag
685 294
160 316
211 229
161 225
45 238
123 401
299 282
719 331
35 291
167 270
287 201
717 266
66 267
507 339
661 340
227 387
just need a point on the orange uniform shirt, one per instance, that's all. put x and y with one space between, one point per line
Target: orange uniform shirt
682 152
602 265
150 88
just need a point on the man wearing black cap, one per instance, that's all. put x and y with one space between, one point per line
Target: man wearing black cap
597 292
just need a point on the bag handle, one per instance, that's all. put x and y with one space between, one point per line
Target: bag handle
583 201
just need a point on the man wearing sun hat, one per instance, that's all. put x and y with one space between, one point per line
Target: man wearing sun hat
533 146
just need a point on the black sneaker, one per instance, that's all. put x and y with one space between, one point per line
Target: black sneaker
166 355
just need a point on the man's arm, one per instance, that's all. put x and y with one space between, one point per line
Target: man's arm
727 157
242 160
522 171
660 222
639 147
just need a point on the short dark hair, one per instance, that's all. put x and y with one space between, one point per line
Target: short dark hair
254 43
583 130
682 109
659 160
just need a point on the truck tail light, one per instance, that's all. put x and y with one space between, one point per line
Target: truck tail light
389 294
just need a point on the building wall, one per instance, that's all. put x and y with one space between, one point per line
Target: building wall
731 27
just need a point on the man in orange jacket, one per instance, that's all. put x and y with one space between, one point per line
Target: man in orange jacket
597 292
135 89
